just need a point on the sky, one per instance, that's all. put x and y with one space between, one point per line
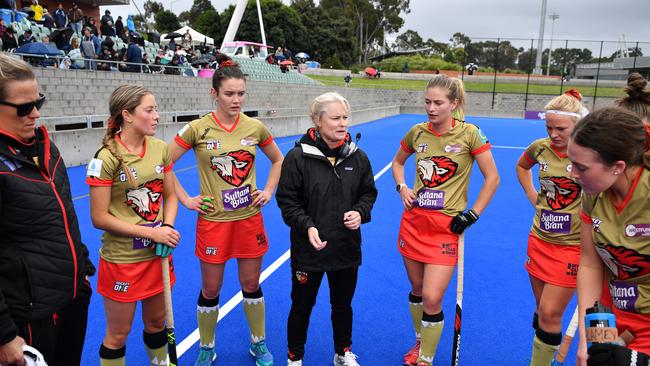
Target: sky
593 20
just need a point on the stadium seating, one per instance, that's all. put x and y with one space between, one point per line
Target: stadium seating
260 70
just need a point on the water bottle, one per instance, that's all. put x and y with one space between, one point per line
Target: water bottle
600 325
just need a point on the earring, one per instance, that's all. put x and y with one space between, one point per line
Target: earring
616 172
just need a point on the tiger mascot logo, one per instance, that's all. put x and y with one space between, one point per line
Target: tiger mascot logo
623 262
146 200
233 167
436 170
560 191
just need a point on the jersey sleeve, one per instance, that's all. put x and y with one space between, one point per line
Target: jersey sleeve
530 154
478 141
264 135
101 169
587 203
186 137
407 143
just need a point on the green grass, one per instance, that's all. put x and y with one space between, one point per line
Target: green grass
361 82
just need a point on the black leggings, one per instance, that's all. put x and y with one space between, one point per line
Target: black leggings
304 291
60 338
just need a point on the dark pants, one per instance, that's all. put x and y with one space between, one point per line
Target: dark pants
60 338
304 290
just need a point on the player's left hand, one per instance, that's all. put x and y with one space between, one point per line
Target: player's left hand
463 220
352 220
261 197
614 355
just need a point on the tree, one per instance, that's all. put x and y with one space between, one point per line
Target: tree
499 55
459 39
409 40
198 8
166 21
437 48
209 23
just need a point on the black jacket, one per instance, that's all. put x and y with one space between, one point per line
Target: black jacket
313 192
42 259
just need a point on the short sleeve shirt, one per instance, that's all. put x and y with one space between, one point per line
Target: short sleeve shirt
557 218
443 164
140 205
226 162
621 235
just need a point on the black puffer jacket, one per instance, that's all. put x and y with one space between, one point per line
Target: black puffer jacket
313 192
42 259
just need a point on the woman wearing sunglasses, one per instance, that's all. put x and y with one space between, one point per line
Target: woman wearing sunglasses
44 290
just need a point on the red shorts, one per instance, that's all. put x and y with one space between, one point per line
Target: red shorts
553 263
425 236
638 324
129 282
216 242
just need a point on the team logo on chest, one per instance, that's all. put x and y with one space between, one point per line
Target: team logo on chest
560 191
623 262
146 199
233 167
436 170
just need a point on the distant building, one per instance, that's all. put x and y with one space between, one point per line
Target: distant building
618 69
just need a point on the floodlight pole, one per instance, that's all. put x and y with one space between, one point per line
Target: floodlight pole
259 14
234 21
540 41
553 17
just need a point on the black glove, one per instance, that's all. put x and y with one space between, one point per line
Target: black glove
614 355
463 220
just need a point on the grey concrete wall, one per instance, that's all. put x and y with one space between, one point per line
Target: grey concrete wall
78 96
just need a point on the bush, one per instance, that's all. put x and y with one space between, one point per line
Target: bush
333 62
417 62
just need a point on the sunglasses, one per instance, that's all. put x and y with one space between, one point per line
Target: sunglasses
26 108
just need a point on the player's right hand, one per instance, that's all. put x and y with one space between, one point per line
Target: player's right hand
407 196
12 353
314 239
165 235
202 204
614 355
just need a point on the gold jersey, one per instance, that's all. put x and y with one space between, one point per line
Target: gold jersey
226 162
621 235
141 205
443 164
558 202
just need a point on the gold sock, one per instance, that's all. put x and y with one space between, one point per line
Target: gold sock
431 330
415 307
156 346
542 352
112 357
207 314
255 311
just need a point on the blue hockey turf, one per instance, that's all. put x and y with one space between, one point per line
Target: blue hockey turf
498 302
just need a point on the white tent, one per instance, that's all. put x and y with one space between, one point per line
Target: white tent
197 38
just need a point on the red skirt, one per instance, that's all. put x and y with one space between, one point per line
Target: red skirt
216 242
553 263
425 236
130 282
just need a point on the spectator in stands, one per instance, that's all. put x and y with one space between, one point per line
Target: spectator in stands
48 21
119 26
270 59
287 54
125 35
133 56
60 18
279 55
105 58
107 24
47 61
38 11
76 18
75 55
108 43
26 37
156 67
3 28
90 48
187 39
9 40
92 24
173 70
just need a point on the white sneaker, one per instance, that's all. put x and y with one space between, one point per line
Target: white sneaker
294 363
349 359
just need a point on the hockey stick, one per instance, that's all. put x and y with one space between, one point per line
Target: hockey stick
566 341
455 351
169 313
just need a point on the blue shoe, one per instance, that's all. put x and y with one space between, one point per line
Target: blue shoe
262 355
206 357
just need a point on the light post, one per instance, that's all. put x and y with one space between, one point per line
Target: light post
540 40
553 17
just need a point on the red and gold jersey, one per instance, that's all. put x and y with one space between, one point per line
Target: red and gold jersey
141 205
443 164
557 209
621 235
226 160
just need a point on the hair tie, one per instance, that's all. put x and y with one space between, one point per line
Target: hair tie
111 123
574 93
647 136
227 63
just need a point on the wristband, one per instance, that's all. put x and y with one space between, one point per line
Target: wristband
168 225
